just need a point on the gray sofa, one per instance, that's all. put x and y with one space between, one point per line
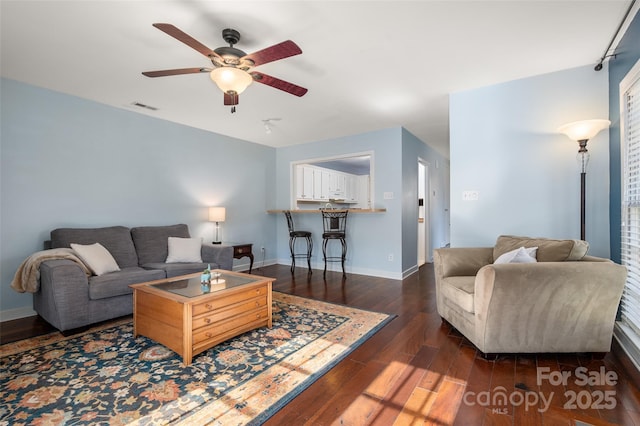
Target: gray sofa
68 298
566 301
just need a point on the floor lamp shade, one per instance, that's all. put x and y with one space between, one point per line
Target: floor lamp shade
217 215
582 131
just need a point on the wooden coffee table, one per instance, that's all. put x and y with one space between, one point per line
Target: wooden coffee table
177 313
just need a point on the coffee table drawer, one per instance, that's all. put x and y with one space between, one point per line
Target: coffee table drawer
217 330
213 317
225 301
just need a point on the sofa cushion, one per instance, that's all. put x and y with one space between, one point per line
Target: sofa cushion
96 257
117 283
460 291
521 255
183 250
151 242
176 269
549 250
116 239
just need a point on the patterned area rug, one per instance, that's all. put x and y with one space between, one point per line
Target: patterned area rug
105 376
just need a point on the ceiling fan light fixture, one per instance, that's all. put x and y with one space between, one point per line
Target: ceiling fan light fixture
230 79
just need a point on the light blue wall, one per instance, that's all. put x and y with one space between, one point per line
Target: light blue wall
504 144
71 162
413 149
627 54
371 237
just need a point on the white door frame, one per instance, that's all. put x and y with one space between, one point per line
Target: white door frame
424 213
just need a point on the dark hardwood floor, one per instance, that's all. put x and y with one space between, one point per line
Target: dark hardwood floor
418 370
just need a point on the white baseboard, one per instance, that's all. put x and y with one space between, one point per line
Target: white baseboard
628 342
336 267
17 313
244 267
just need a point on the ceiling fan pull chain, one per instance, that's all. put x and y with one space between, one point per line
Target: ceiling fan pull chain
233 109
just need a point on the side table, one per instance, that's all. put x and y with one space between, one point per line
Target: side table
241 250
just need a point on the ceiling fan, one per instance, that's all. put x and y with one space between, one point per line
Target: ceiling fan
232 68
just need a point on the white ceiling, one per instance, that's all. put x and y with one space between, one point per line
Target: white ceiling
367 64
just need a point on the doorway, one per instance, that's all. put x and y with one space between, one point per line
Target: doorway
424 254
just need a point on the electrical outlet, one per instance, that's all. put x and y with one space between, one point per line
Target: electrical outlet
390 257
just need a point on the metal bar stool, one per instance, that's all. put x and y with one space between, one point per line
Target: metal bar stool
335 228
293 234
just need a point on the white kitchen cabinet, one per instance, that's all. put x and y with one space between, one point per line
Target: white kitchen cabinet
304 183
362 190
317 184
337 185
351 189
321 184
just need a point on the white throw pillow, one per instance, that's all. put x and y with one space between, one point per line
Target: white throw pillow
96 257
184 250
520 255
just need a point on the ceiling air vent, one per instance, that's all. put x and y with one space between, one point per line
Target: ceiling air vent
141 105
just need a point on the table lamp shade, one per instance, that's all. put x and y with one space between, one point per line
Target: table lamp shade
217 214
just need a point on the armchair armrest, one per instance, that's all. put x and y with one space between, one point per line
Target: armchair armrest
461 261
588 258
219 254
64 288
547 306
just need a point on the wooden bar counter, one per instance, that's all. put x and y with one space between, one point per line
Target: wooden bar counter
351 211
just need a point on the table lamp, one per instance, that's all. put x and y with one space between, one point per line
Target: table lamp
217 215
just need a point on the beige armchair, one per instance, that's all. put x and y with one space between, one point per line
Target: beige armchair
565 302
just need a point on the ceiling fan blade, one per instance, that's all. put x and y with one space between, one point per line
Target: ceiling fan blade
186 39
274 53
231 98
278 84
164 73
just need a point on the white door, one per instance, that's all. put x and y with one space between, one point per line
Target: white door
423 211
